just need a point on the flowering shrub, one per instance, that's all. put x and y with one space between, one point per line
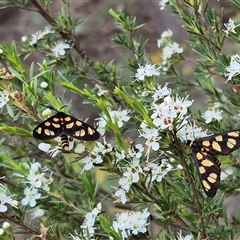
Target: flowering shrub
146 117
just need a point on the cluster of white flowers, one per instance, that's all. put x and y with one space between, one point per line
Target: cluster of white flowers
169 48
96 155
167 109
39 35
59 47
135 169
146 71
128 223
211 114
89 221
35 180
118 117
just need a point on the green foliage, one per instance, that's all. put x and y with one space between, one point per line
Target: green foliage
177 203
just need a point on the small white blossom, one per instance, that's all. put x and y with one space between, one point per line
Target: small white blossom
162 4
43 85
120 194
131 175
24 38
118 117
47 112
5 199
234 68
1 231
31 195
47 30
1 51
45 147
158 171
15 203
59 48
170 50
89 221
160 92
101 91
209 115
152 138
4 98
230 26
80 148
189 131
147 71
40 35
6 225
89 161
180 237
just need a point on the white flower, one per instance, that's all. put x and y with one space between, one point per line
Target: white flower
45 147
101 91
164 113
43 85
209 115
89 161
4 199
147 71
162 4
1 231
47 112
121 194
230 26
234 68
31 195
24 38
40 34
15 203
118 117
6 225
59 48
158 171
168 51
35 37
131 175
180 237
152 138
89 221
160 92
47 30
189 131
80 148
128 223
4 98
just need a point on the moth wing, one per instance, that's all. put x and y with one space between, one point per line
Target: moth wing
223 143
209 170
48 129
79 129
